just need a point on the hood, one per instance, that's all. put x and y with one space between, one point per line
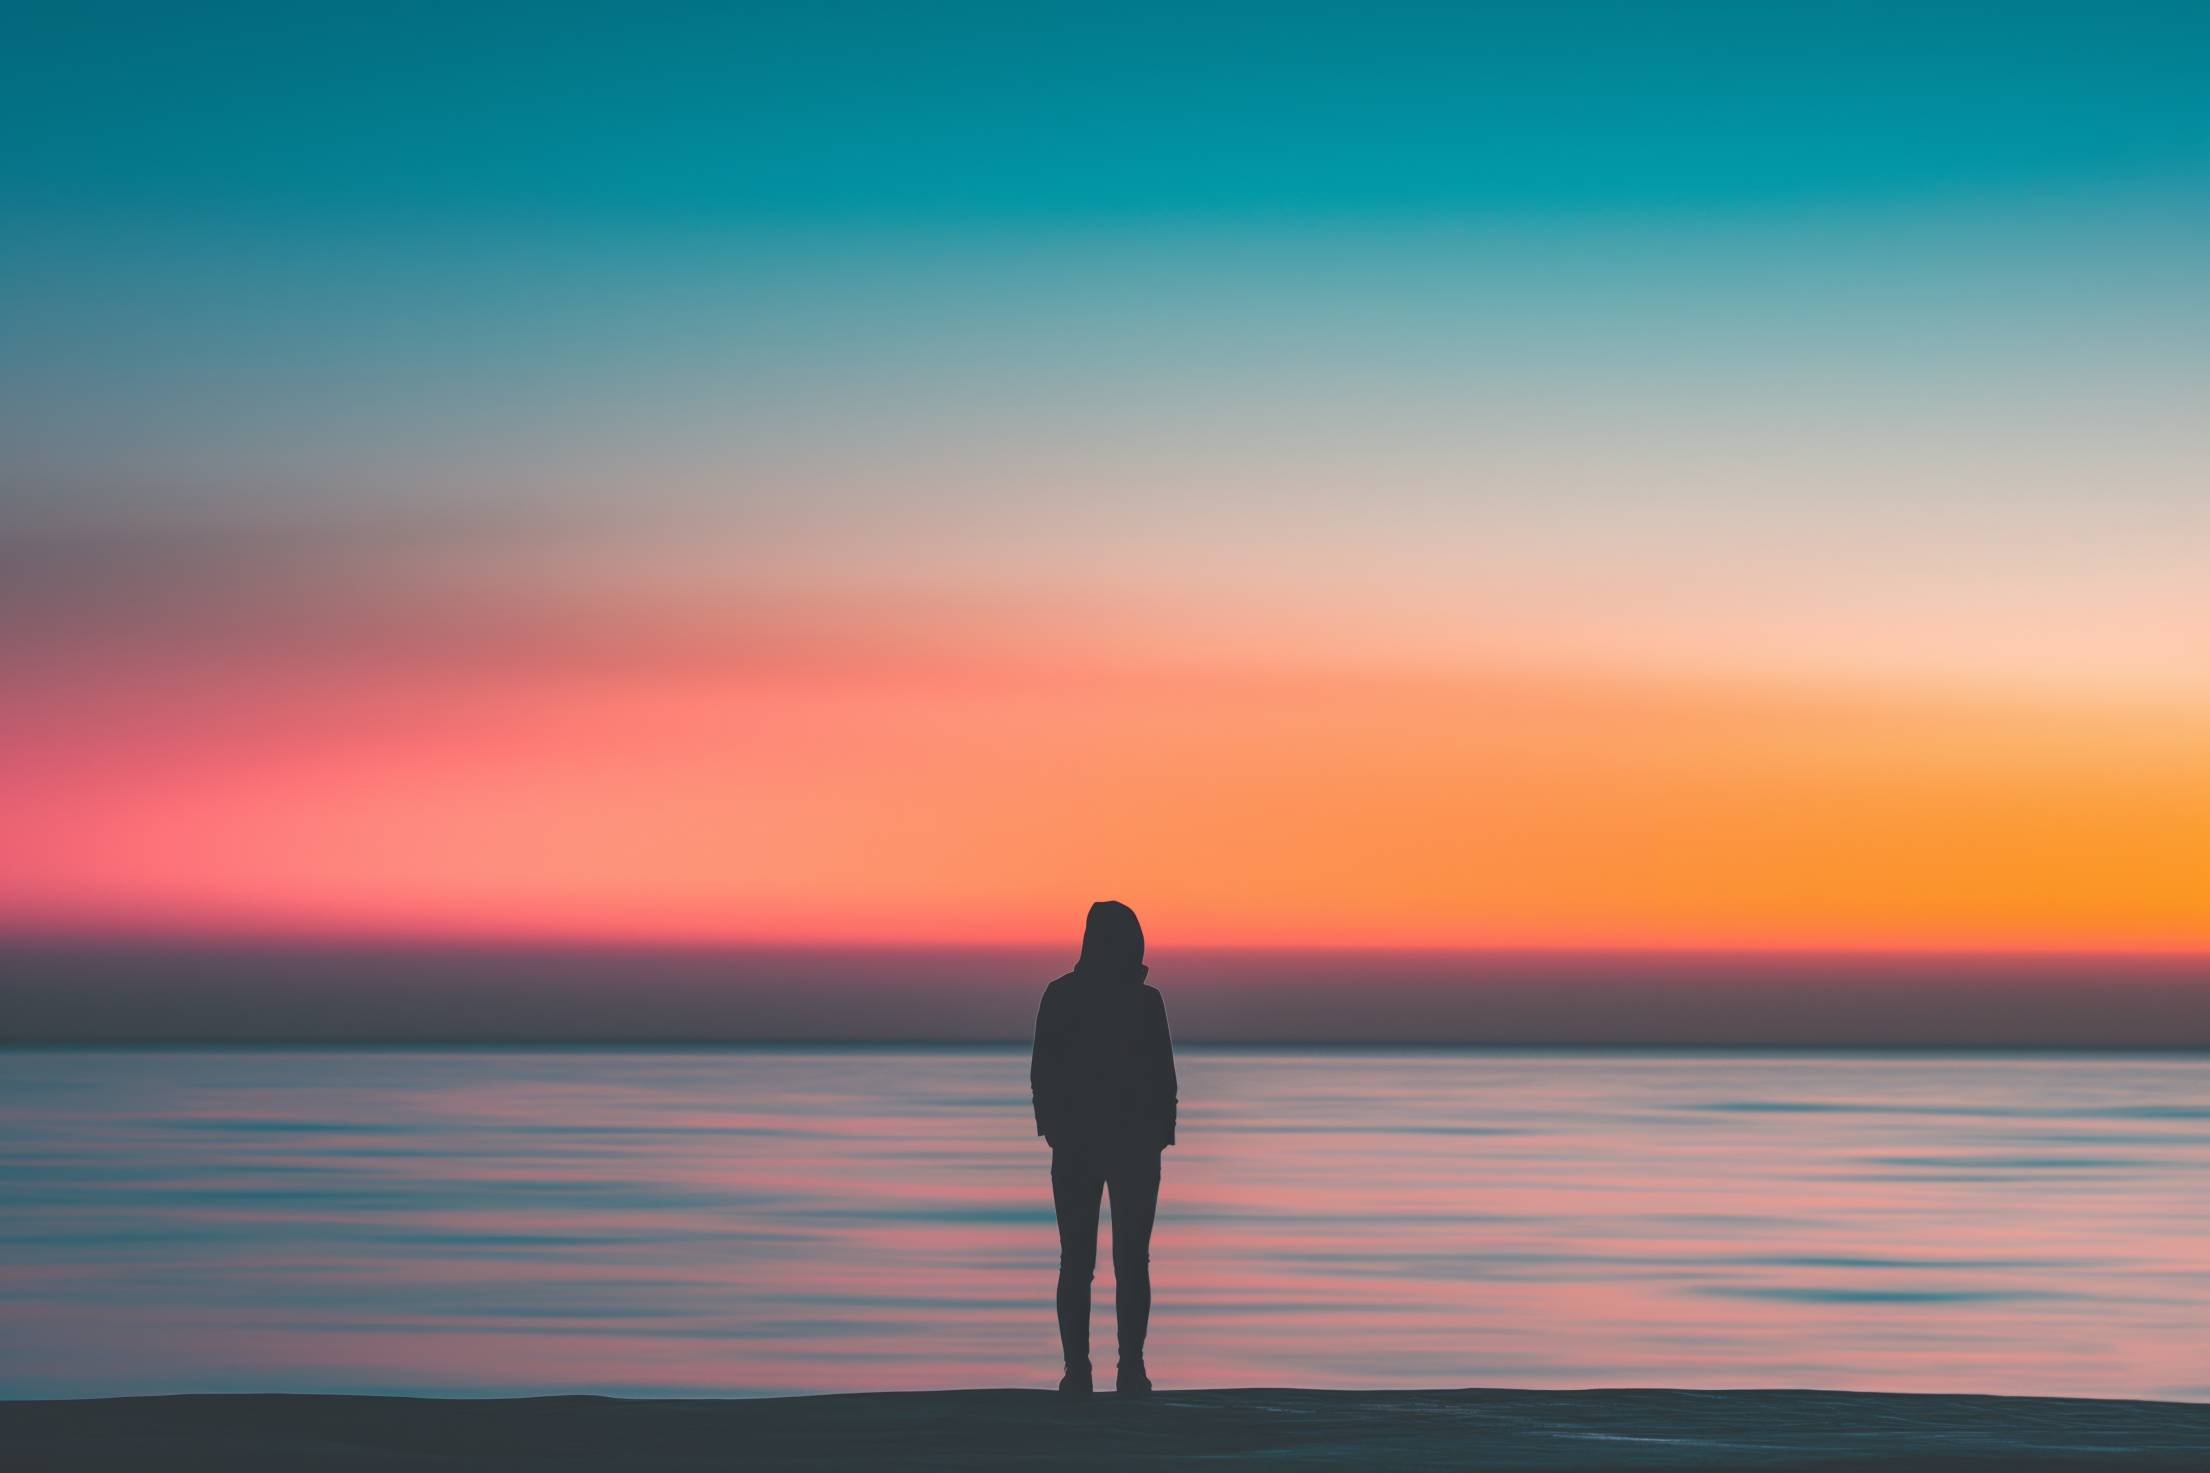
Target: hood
1112 943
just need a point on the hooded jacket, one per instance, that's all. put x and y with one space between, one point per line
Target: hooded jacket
1102 1069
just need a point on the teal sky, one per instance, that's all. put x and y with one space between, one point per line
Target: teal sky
1344 310
669 115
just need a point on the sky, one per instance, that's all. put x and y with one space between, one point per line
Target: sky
1536 476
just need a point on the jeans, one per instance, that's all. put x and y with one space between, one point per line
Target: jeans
1079 1176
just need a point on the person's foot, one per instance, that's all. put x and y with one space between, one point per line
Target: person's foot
1075 1382
1132 1381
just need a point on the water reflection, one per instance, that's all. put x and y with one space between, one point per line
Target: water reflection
780 1220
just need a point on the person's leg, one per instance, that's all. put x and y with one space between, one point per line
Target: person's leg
1135 1187
1075 1189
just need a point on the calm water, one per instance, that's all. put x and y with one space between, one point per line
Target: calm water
772 1221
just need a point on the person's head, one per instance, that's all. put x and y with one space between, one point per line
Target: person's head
1112 941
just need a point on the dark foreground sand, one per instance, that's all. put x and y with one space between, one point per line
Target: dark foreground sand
1581 1430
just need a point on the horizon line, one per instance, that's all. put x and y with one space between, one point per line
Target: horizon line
183 938
723 1044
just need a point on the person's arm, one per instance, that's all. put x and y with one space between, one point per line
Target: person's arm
1167 1101
1047 1067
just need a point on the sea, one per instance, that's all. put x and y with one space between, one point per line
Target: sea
766 1221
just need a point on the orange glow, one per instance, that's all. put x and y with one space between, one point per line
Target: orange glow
983 797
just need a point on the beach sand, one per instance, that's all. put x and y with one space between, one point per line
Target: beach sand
1578 1430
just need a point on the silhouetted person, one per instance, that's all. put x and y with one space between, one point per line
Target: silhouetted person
1103 1079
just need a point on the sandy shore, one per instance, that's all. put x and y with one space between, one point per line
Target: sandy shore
1580 1430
